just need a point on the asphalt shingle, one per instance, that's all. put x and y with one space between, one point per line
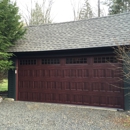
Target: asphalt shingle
91 33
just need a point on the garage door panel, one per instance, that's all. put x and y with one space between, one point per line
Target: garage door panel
23 96
106 80
103 100
30 96
76 86
110 87
98 87
83 73
95 100
67 98
71 73
114 102
118 102
115 87
82 80
86 99
106 72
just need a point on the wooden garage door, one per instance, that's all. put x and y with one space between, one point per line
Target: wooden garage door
84 80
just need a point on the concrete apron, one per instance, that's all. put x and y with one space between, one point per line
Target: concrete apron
89 107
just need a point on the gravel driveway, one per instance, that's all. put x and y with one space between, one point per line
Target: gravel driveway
42 116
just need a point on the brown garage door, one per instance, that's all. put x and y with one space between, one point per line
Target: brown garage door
74 80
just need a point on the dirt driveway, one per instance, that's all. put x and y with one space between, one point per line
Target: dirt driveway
42 116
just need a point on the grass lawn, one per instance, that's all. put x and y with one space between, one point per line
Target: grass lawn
4 85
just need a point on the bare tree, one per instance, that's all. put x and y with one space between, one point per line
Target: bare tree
100 11
98 8
82 11
40 14
123 56
76 10
86 11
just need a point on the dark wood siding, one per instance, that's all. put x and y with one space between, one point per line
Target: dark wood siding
72 80
11 83
127 91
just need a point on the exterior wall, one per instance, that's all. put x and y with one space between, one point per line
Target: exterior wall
126 92
12 83
127 98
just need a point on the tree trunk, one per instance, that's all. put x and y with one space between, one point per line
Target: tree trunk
98 8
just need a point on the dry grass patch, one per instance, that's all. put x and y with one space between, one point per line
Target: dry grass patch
125 121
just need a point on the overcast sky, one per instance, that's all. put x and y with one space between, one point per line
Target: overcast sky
62 9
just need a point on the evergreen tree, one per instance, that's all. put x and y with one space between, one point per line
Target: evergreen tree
11 29
118 6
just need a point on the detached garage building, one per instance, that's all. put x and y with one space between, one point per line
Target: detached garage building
71 63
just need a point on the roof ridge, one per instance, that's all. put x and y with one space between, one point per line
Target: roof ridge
95 18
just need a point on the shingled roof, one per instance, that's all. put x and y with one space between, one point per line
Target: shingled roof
91 33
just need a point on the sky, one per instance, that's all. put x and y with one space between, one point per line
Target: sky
61 9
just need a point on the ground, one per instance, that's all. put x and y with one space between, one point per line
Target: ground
46 116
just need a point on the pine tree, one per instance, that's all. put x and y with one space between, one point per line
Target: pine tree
118 6
11 29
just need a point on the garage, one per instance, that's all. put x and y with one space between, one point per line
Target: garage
72 63
83 80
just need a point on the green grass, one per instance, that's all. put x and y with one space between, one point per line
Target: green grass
4 85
